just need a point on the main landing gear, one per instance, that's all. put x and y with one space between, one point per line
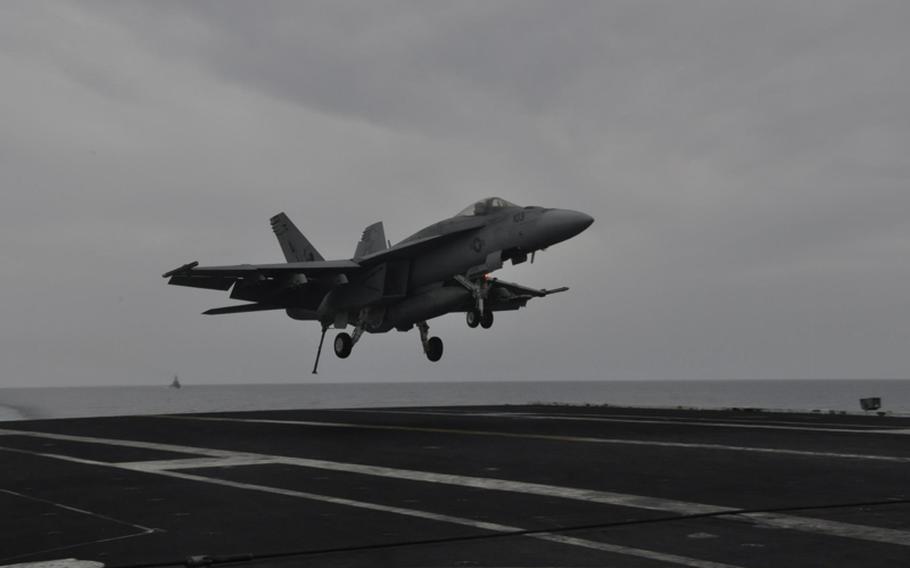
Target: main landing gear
344 343
479 289
475 317
432 346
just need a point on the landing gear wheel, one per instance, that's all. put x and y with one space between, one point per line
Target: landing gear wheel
473 317
486 321
434 349
343 345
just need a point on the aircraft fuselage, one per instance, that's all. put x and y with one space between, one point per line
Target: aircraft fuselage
401 293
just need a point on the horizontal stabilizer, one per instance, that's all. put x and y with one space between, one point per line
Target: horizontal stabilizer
240 309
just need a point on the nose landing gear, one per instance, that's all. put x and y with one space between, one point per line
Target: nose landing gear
479 315
432 346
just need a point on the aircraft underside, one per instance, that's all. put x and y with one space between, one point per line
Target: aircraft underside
477 299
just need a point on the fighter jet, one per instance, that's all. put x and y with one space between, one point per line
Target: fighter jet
440 269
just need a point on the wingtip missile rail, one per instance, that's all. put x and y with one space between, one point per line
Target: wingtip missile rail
180 270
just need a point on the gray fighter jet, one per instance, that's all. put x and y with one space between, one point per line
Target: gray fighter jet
440 269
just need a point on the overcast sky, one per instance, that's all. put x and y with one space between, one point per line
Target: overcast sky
746 163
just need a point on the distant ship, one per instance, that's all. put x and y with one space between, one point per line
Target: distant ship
175 384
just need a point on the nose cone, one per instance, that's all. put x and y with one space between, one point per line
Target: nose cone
557 225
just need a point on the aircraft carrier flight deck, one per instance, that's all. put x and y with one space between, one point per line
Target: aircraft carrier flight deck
505 486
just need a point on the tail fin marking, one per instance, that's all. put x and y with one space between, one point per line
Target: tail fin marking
294 245
373 240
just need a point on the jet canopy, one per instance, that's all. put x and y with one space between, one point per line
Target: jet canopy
485 207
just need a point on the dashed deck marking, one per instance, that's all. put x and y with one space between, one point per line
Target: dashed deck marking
482 525
62 563
768 520
558 438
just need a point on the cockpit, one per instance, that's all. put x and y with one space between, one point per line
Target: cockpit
485 207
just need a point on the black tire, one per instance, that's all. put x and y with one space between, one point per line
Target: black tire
473 318
486 321
343 345
434 349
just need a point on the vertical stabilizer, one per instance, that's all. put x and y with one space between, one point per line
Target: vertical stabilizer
373 240
294 245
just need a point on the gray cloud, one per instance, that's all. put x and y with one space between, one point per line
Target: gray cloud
745 164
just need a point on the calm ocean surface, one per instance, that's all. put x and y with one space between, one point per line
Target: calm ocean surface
24 403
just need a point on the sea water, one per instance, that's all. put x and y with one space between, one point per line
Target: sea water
824 395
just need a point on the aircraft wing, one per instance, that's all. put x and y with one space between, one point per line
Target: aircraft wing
223 277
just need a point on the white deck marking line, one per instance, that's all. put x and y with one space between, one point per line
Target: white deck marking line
558 438
524 413
142 529
768 520
172 448
844 530
483 525
689 419
902 431
201 463
81 511
823 425
539 489
632 419
67 547
694 420
61 563
752 425
803 524
153 466
73 459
